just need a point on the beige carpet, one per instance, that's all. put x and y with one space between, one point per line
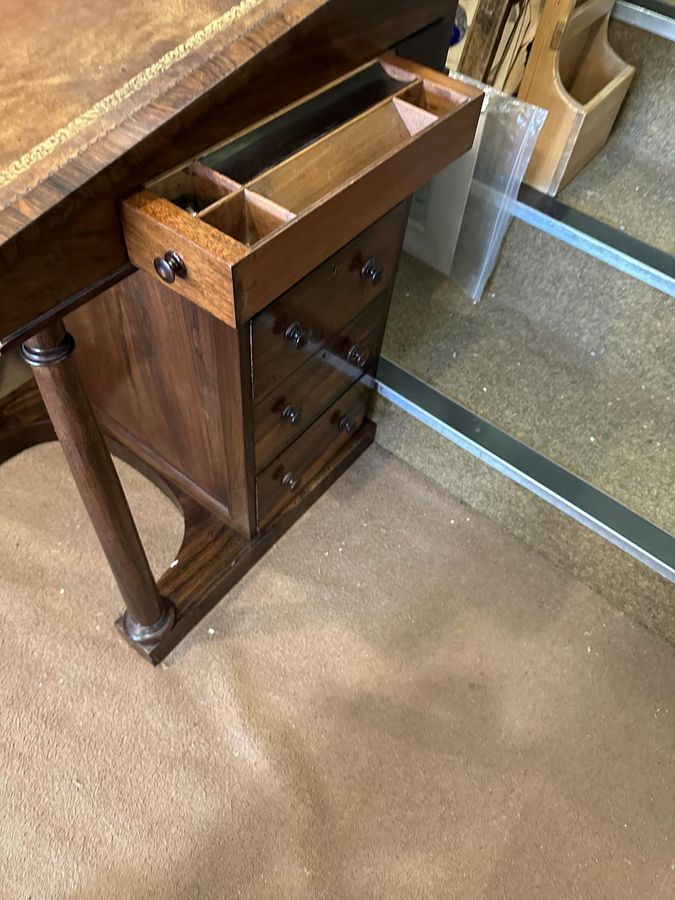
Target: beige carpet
400 701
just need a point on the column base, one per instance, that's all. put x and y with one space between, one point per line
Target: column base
150 634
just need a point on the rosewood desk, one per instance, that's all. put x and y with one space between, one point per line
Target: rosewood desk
210 206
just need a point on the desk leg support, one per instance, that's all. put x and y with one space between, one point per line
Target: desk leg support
148 616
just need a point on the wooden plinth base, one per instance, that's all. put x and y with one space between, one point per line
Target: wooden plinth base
212 558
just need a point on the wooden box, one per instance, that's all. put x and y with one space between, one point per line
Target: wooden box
574 74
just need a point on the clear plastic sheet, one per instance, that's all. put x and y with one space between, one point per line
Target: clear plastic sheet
509 133
437 210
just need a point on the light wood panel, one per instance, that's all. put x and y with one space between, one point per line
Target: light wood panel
483 38
275 353
574 74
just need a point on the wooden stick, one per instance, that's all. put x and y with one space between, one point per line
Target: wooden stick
148 616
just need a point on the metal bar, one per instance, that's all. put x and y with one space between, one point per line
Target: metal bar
610 245
657 18
567 492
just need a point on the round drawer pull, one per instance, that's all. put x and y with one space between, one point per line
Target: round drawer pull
170 265
291 414
295 334
290 481
372 271
347 424
358 356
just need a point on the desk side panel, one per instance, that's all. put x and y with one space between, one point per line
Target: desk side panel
173 383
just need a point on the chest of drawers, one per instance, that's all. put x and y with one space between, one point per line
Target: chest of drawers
211 406
236 363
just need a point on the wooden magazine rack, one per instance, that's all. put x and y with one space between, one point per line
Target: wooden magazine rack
574 74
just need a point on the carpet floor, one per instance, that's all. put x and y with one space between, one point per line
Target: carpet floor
399 701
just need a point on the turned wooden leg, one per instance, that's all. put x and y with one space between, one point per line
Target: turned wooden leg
148 616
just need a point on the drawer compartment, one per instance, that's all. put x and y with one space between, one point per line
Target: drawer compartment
294 327
288 410
284 478
323 167
234 246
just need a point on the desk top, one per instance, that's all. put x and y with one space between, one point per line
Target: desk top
97 98
73 70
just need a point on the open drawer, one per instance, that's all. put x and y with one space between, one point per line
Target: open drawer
249 218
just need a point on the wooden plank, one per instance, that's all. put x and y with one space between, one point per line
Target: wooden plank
287 130
483 38
449 90
174 382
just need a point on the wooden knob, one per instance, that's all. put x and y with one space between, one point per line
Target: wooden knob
296 335
358 356
372 271
290 481
170 265
291 414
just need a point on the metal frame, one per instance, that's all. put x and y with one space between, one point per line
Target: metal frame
610 245
649 15
567 492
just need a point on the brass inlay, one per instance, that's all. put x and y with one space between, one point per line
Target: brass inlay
107 104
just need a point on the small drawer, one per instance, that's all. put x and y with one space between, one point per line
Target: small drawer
294 327
289 409
285 477
232 246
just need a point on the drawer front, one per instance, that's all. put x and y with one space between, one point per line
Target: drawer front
288 473
156 231
233 246
294 327
292 406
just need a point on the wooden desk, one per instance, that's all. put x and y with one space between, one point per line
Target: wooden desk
140 92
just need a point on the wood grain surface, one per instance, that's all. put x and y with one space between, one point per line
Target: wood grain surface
294 405
173 382
292 470
60 59
483 38
573 73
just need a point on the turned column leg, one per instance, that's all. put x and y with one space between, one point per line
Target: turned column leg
148 616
